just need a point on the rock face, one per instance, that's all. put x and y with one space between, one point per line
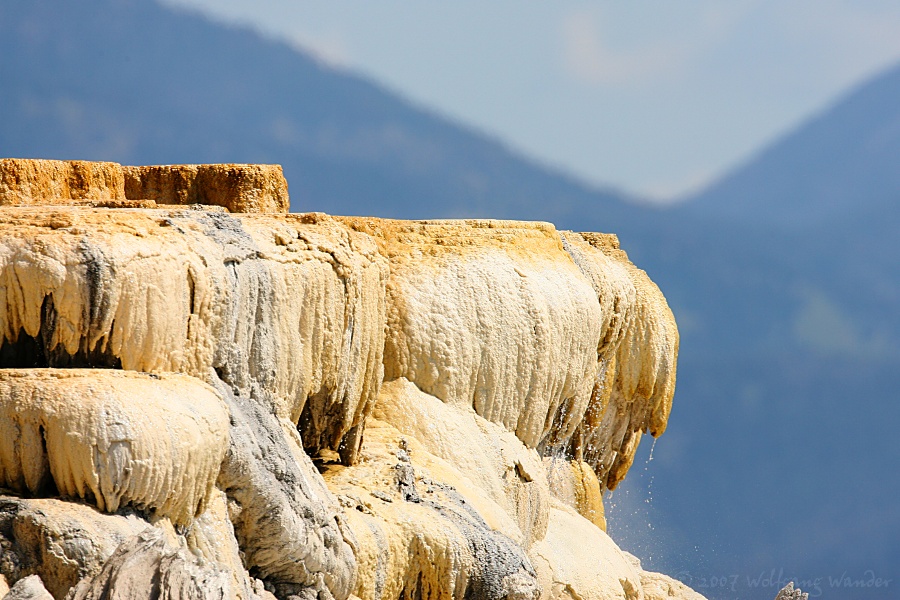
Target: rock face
201 404
28 588
146 566
35 182
637 355
289 526
61 542
82 434
239 188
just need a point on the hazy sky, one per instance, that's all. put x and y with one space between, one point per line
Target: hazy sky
653 97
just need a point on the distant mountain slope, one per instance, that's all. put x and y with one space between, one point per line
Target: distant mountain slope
780 450
791 291
132 81
845 159
824 202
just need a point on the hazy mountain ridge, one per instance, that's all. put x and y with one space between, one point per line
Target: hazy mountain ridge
210 93
789 324
806 276
842 160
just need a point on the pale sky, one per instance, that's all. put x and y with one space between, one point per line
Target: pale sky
656 98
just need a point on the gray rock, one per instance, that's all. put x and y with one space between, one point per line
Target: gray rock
146 567
789 593
502 568
406 476
287 522
62 542
28 588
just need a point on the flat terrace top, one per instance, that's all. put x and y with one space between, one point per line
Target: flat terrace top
237 188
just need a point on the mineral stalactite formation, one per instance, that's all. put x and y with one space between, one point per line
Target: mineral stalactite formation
204 396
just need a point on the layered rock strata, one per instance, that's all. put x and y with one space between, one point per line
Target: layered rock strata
228 401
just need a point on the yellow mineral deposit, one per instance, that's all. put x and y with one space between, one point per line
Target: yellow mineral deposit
43 182
238 188
201 392
637 357
492 315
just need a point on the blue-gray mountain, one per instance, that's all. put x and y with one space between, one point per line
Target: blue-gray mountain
841 163
784 276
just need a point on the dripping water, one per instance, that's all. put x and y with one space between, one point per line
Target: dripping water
631 513
649 499
638 522
557 450
652 448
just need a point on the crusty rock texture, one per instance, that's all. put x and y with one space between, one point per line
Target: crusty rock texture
219 400
62 542
288 311
289 526
637 354
28 588
40 182
238 188
114 438
147 567
492 315
789 593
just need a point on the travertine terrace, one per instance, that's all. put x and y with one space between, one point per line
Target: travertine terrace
204 396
